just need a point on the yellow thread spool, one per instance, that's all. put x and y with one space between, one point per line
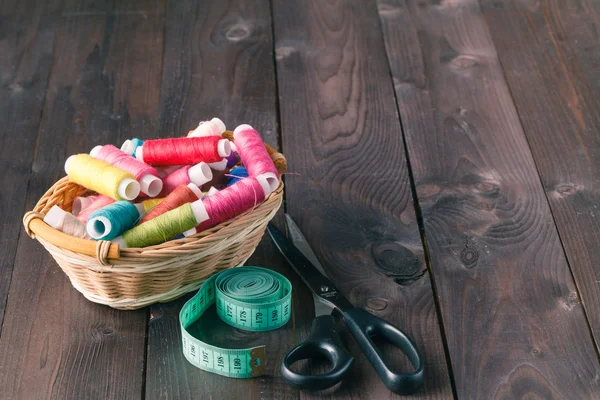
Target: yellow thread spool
150 203
102 177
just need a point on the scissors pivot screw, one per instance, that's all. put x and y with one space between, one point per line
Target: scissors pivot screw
324 288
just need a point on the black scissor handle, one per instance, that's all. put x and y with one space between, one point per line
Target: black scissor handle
323 341
363 325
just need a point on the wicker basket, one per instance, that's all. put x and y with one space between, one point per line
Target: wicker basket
136 277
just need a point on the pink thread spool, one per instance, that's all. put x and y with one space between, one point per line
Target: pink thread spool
86 207
198 174
214 127
233 201
183 151
147 176
254 155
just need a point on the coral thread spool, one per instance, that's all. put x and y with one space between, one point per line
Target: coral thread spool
129 146
233 201
112 220
183 151
198 174
181 195
147 176
102 177
254 155
65 222
214 127
96 203
165 226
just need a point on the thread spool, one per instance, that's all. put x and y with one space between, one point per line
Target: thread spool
165 226
198 174
65 222
214 127
183 151
97 202
129 146
233 201
277 157
254 155
181 195
112 220
236 175
147 176
102 177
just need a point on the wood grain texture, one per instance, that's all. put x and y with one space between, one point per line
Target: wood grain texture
549 51
55 343
513 320
352 196
27 32
219 63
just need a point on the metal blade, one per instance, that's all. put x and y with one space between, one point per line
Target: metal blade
302 244
320 285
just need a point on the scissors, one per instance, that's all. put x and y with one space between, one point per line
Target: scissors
324 341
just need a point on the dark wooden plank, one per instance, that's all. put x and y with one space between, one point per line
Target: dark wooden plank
55 343
341 133
27 33
550 58
514 325
219 63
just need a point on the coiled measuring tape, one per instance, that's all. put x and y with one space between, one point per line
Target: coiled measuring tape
249 298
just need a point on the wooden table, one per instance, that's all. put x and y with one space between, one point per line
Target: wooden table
444 160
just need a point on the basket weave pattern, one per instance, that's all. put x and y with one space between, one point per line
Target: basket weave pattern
143 276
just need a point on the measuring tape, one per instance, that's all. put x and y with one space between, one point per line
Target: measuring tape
249 298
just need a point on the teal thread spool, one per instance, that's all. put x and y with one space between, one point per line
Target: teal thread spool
110 221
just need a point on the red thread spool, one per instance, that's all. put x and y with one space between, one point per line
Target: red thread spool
254 155
178 197
233 201
183 151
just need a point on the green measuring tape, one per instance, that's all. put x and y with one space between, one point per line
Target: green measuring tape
249 298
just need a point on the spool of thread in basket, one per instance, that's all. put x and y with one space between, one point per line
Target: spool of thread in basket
85 206
110 221
181 195
236 175
164 171
198 174
165 226
254 155
233 201
147 176
183 151
214 127
102 177
210 192
65 222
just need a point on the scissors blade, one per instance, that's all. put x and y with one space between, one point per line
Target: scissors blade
318 283
302 244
